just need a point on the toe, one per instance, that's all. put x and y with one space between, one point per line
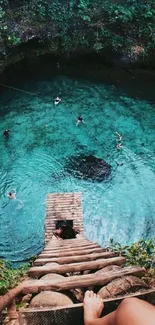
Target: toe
87 294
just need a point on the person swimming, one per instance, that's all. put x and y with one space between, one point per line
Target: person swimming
12 195
119 139
6 133
119 145
79 120
119 136
57 101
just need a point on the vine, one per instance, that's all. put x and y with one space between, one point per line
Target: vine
90 25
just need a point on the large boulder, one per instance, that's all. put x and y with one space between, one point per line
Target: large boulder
50 299
88 167
124 285
52 276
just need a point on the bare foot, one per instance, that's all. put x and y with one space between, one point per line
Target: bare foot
93 306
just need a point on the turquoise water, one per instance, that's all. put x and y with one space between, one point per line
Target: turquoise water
42 139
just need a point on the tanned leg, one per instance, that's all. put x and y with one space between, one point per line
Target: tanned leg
131 311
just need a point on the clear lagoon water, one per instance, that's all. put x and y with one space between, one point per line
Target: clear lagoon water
44 137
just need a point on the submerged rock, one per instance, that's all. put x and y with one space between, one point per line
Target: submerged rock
88 167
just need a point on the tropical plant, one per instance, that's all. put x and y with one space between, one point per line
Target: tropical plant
9 277
140 253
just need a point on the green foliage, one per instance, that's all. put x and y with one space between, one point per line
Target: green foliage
84 24
140 253
9 277
14 40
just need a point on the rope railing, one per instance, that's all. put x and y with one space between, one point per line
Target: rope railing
8 298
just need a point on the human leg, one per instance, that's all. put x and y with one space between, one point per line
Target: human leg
131 311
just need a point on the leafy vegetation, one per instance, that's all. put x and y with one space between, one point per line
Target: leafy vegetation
83 25
9 277
141 253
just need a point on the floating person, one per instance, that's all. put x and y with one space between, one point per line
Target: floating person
79 120
119 145
119 136
119 163
57 101
11 195
130 311
119 139
6 133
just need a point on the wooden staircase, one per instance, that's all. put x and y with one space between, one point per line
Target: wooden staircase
65 269
70 267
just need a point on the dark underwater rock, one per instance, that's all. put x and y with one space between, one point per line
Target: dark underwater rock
88 168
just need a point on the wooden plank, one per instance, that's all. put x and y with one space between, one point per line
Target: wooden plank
60 216
64 206
74 267
62 243
66 202
70 206
67 213
67 250
55 196
71 247
80 281
62 246
73 240
67 210
76 220
72 253
68 196
74 259
62 194
78 239
64 216
59 208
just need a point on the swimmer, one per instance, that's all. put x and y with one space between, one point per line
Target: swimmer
119 145
120 163
79 120
119 136
6 133
12 195
57 101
